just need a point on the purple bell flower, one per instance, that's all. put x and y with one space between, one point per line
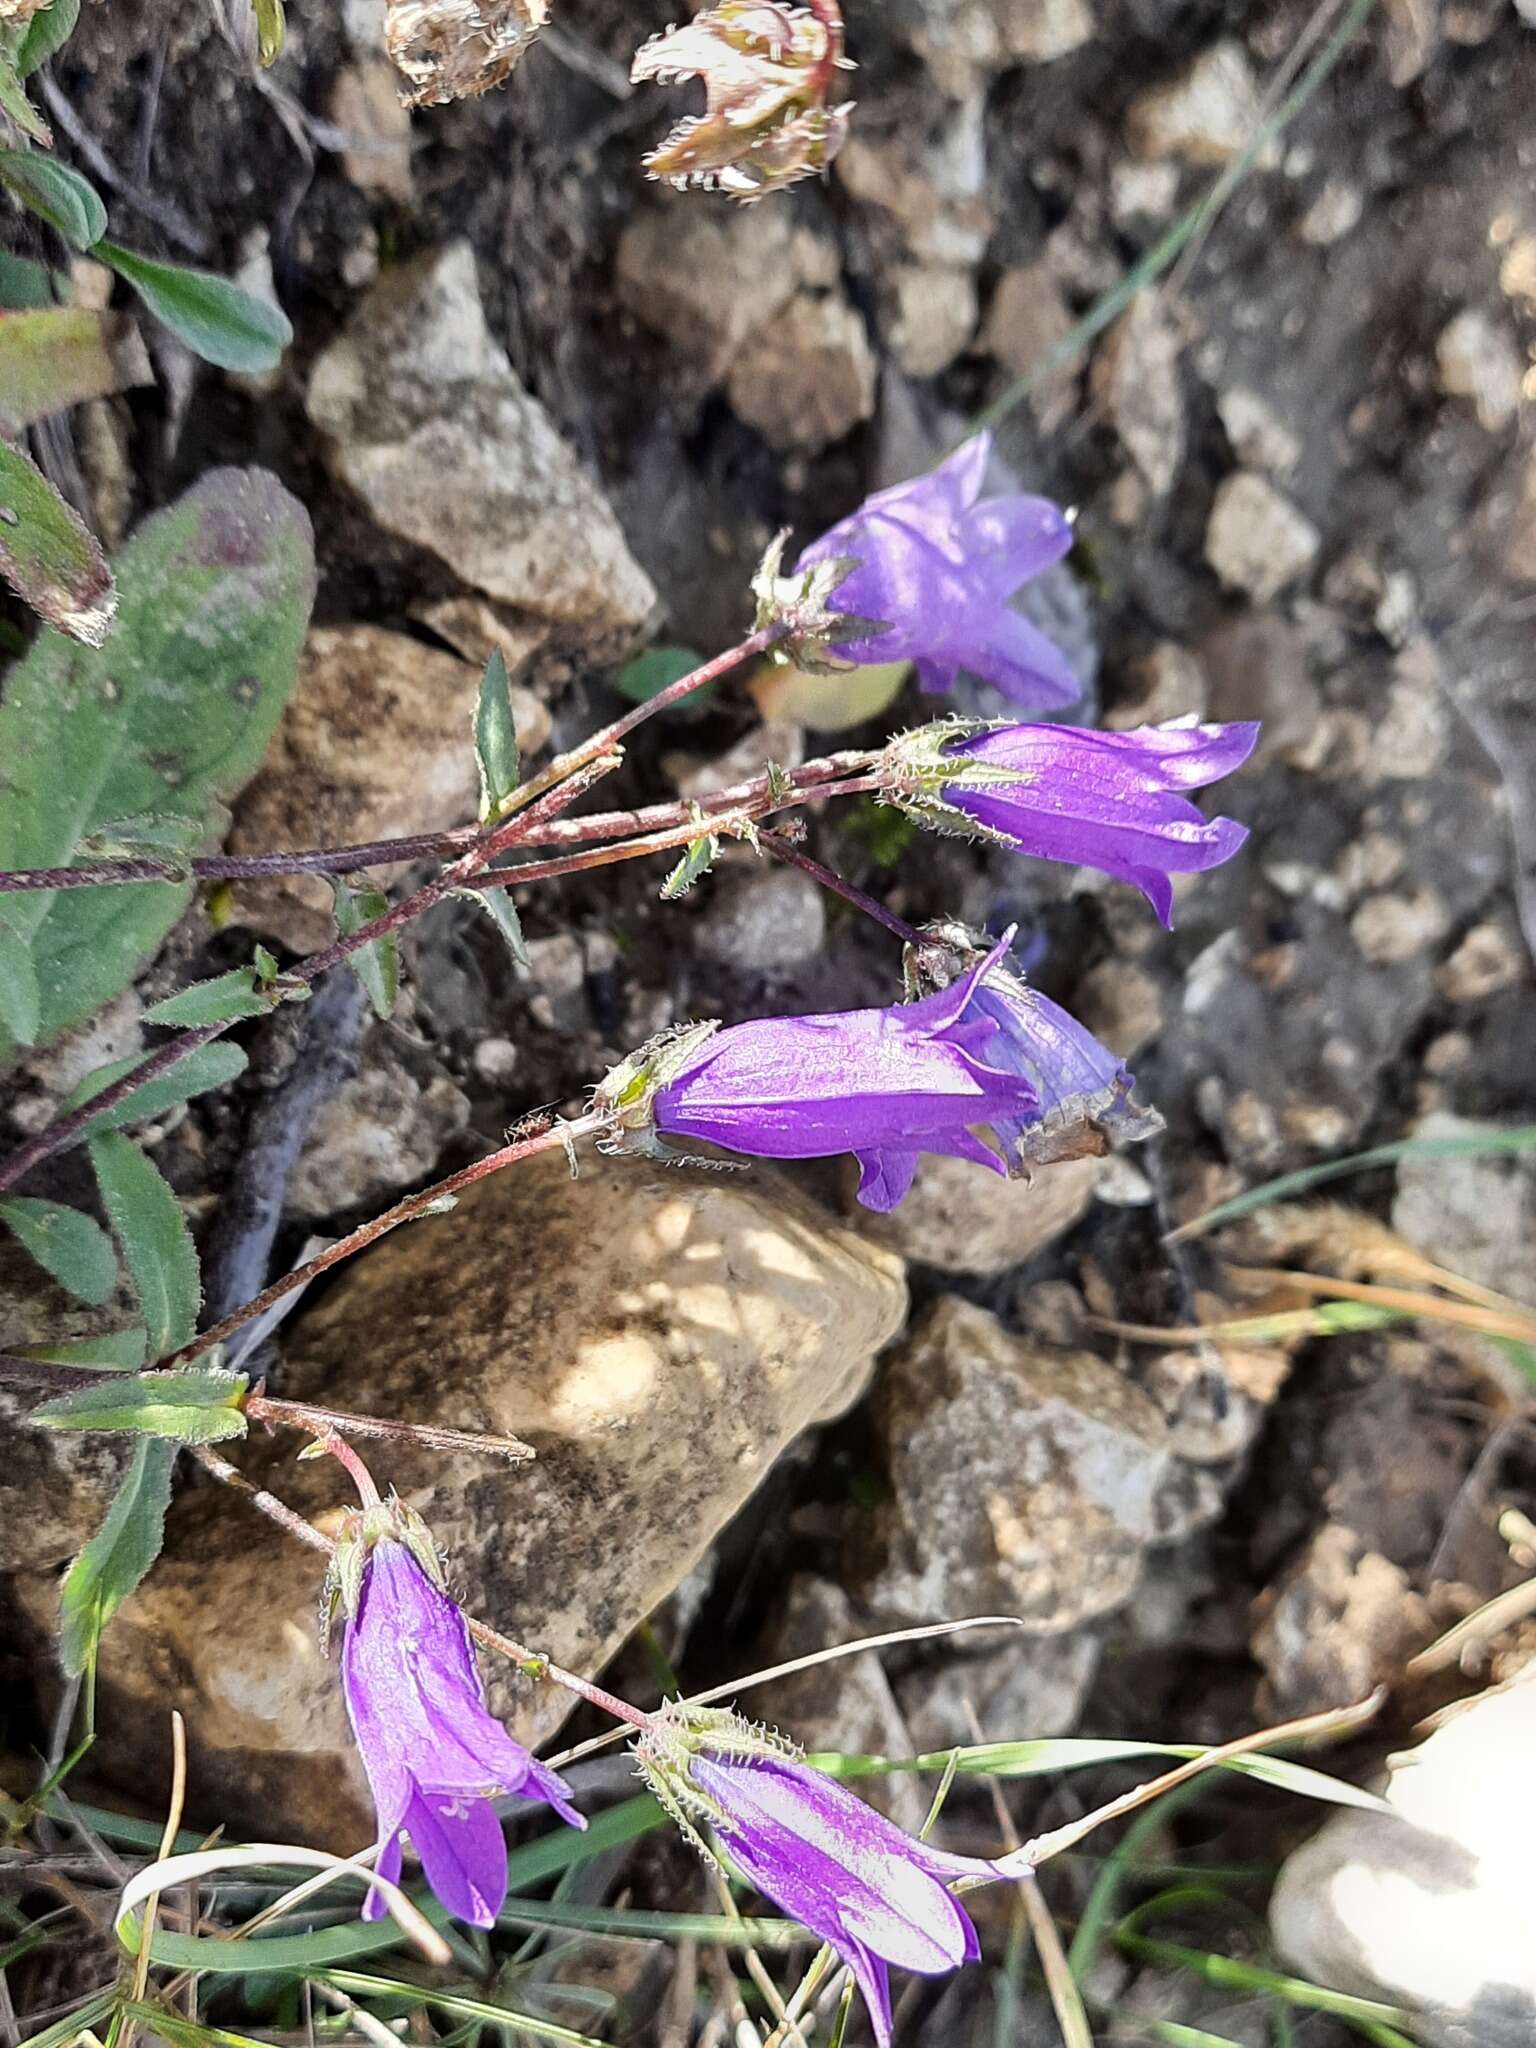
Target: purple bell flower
434 1756
885 1085
937 566
878 1897
1109 800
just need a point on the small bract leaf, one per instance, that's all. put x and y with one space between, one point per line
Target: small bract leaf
222 999
218 319
49 30
47 556
117 1556
208 1066
154 1239
502 911
496 752
698 859
376 965
56 194
15 105
189 1406
67 1244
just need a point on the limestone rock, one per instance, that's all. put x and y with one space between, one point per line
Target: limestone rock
657 1337
1028 318
707 280
1169 682
929 196
1258 667
933 316
808 377
55 1484
1487 960
963 1218
1024 1479
1033 1686
845 1705
1207 115
1426 1907
1474 1215
380 1133
1257 541
1342 1620
1136 379
374 744
1399 925
366 107
1478 359
1260 438
425 420
1121 1004
764 921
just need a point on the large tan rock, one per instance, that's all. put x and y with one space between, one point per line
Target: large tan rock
657 1337
1024 1479
963 1218
374 744
425 419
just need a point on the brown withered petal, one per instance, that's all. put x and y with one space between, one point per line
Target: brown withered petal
456 49
13 12
765 69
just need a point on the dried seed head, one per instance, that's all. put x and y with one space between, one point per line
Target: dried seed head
457 49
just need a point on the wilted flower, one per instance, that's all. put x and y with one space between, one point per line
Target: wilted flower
885 1085
1083 1091
435 1758
937 565
767 72
1107 800
877 1896
457 49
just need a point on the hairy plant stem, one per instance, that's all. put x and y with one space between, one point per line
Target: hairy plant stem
786 850
537 802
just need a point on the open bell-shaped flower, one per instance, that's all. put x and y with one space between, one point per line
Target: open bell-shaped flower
880 1898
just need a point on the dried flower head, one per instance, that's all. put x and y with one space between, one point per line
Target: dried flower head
456 49
767 71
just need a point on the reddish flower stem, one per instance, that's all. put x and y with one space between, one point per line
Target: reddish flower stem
338 1448
786 850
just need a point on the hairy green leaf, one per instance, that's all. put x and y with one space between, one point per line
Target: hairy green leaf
376 965
698 858
55 194
502 911
47 31
190 1407
658 669
496 753
166 722
59 355
208 1066
225 998
218 319
67 1244
21 1000
48 557
154 1239
117 1350
117 1556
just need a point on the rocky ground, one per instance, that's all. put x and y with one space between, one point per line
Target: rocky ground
535 403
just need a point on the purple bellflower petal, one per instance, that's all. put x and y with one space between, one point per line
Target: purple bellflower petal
885 1084
434 1755
937 564
1109 800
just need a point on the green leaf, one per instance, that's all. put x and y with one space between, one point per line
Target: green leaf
167 722
217 319
116 1350
502 911
15 104
47 31
60 355
56 194
154 1239
496 753
21 1000
47 556
67 1244
117 1556
208 1066
24 284
223 999
270 30
658 669
190 1407
376 965
698 858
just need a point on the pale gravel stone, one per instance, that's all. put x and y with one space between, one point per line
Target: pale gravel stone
1206 115
1257 541
1478 359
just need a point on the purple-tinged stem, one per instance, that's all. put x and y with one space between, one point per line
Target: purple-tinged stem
786 850
337 1447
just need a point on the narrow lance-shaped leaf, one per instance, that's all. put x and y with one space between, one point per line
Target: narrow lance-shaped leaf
496 753
156 731
69 1245
117 1556
116 1350
187 1407
223 999
152 1234
59 356
209 1066
47 556
699 857
55 194
218 319
376 965
502 911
